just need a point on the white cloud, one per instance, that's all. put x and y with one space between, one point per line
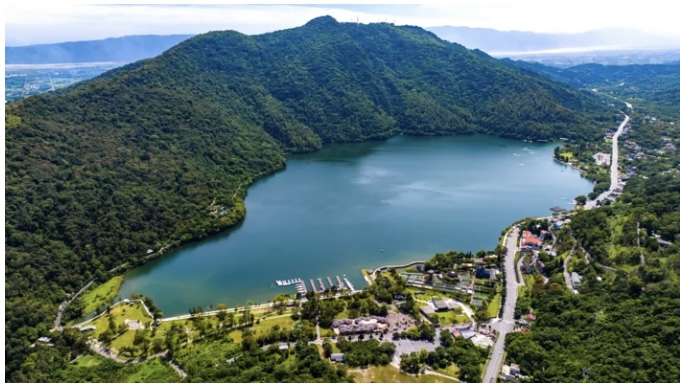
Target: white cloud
30 23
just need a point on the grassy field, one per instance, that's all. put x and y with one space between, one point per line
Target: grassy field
151 371
389 374
451 370
495 305
86 361
120 313
103 294
264 327
568 155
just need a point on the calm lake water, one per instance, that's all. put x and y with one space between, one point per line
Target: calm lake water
331 212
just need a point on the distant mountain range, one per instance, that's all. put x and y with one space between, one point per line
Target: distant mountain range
124 49
498 43
504 42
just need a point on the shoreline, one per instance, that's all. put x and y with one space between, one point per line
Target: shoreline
240 193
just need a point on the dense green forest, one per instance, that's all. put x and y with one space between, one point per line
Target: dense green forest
655 87
624 325
160 152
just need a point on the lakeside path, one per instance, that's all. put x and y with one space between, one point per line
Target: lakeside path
507 324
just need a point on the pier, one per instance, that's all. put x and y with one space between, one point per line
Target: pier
311 281
349 284
301 288
340 284
323 288
330 283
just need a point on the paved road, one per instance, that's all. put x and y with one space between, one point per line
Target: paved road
567 276
507 323
64 305
615 183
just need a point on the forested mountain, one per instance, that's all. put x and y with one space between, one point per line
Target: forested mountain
123 49
657 84
650 77
624 325
160 152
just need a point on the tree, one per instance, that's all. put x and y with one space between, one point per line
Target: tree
327 349
581 200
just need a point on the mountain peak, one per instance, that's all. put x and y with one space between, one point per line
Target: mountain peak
322 21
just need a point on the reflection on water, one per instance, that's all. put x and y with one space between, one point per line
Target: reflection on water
332 212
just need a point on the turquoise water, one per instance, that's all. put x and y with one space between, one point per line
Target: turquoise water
331 212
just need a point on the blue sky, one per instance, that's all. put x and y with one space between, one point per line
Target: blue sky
31 22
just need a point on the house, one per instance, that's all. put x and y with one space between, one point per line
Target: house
150 251
508 378
544 234
531 317
440 305
452 274
514 369
481 272
44 340
456 334
467 333
338 357
531 241
575 280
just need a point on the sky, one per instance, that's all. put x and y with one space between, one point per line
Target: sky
33 22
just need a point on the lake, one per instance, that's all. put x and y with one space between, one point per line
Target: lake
348 207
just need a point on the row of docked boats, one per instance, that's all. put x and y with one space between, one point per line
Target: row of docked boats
288 282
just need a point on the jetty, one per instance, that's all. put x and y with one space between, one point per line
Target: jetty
311 281
349 284
301 288
323 288
340 284
330 283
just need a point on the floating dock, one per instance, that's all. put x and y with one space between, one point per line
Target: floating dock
288 282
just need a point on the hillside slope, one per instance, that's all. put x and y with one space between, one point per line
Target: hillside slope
159 152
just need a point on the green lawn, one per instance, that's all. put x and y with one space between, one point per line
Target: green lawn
451 370
121 312
153 371
86 361
389 374
103 294
568 155
495 305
